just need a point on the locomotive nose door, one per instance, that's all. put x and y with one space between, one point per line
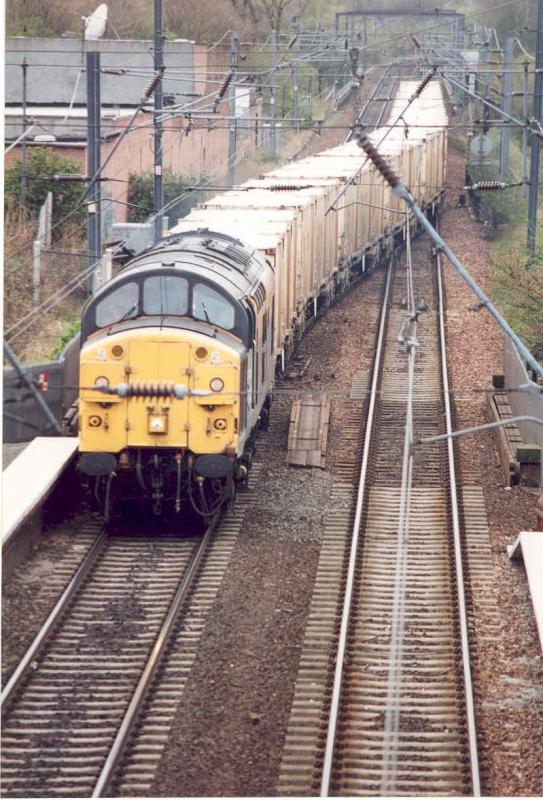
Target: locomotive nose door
152 420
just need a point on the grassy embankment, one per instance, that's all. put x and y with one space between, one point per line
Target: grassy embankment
517 275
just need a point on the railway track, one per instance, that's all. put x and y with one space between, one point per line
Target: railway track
375 108
116 651
383 701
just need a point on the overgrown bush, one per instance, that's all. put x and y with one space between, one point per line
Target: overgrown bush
141 194
71 325
41 164
202 20
31 26
43 331
517 286
19 232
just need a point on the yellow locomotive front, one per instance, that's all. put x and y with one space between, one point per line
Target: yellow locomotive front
163 411
170 389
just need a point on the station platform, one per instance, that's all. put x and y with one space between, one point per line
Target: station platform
30 477
529 547
11 451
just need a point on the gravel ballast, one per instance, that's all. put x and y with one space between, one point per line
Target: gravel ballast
509 665
230 726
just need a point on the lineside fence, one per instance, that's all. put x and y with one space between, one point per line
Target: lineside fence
22 418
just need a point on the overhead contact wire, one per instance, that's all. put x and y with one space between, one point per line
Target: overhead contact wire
391 726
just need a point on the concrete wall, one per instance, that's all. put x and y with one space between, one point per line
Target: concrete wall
54 64
22 417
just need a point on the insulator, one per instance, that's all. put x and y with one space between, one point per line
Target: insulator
222 90
487 186
151 86
145 389
73 178
424 83
375 157
287 187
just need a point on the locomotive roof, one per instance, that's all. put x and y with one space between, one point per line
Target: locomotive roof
213 255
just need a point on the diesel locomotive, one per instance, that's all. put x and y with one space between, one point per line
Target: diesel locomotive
179 350
176 369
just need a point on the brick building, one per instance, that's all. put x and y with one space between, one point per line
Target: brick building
56 106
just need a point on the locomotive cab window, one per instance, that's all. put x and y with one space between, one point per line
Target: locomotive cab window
209 305
166 294
150 296
121 303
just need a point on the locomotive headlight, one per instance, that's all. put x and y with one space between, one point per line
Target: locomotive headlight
216 384
101 381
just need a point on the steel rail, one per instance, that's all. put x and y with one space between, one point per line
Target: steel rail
349 587
386 101
455 520
371 99
60 606
149 671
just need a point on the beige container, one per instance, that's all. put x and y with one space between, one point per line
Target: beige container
272 233
318 271
306 204
349 216
306 246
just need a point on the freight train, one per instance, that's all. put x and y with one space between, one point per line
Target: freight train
180 349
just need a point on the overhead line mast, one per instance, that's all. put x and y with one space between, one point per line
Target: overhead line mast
535 143
94 211
232 134
159 69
